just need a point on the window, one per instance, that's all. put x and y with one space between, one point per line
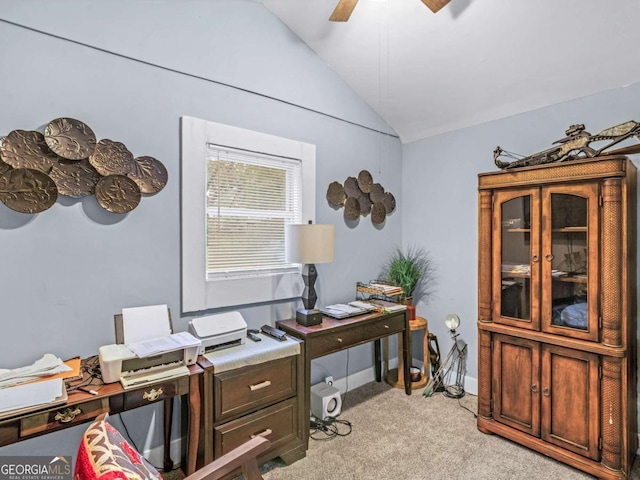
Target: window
239 189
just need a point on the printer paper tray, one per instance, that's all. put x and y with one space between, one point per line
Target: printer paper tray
140 380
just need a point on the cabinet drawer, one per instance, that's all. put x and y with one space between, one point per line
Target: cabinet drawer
278 424
336 341
245 389
63 416
384 326
151 394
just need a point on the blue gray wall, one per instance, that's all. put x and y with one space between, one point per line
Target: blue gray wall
68 270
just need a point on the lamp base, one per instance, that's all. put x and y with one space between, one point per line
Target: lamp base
308 317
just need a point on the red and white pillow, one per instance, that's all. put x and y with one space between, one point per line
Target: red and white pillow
104 454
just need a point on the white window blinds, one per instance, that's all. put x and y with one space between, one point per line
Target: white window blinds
250 198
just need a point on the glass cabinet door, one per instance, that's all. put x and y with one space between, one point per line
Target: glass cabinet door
570 261
516 262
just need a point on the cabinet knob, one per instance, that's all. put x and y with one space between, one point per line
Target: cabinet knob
535 258
153 394
260 385
545 391
339 340
67 415
264 433
549 257
534 388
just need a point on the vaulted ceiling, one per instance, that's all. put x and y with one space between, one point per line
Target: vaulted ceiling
475 60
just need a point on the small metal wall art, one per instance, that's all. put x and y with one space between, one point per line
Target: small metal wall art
361 196
67 160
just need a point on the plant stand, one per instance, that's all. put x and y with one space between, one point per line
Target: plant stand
394 377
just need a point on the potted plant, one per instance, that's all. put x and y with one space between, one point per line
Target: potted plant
414 271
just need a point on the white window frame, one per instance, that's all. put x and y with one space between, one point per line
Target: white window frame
198 293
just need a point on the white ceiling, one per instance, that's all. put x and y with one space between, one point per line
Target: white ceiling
475 60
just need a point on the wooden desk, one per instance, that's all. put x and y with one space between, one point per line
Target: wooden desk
82 407
334 335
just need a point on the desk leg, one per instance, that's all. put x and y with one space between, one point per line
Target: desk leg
406 358
377 360
307 395
168 415
194 423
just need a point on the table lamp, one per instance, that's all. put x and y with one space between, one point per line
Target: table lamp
309 244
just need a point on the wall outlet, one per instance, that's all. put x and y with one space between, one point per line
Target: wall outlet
328 380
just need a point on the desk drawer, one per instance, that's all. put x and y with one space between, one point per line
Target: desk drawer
150 394
384 326
245 389
278 423
63 416
336 341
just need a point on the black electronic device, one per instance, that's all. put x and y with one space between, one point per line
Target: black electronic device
308 318
252 334
274 332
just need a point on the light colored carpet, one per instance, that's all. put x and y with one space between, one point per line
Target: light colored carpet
396 436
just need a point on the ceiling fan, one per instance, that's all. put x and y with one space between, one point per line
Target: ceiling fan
344 8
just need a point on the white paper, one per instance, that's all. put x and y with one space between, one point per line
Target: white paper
31 394
344 308
49 364
164 344
144 323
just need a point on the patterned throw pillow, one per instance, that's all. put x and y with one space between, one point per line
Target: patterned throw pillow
105 455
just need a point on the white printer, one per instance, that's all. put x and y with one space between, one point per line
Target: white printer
219 331
119 362
146 351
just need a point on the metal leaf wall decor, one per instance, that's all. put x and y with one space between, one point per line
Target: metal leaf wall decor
68 160
361 196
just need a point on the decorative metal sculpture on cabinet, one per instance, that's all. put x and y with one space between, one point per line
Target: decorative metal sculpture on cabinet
575 145
67 160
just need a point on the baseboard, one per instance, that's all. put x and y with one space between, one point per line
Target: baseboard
363 377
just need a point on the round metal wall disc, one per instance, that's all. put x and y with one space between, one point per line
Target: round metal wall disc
4 167
27 190
352 208
365 204
27 149
117 193
378 213
389 202
70 138
75 178
351 187
111 158
377 193
335 194
365 180
150 174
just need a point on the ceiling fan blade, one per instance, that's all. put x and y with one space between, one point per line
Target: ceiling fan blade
343 11
435 5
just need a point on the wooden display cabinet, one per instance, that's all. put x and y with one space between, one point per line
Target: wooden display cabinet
556 311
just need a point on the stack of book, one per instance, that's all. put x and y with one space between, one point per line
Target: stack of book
379 289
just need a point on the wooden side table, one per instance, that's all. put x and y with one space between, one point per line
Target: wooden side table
395 376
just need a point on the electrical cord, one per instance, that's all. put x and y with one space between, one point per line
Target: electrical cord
475 415
91 376
124 425
329 428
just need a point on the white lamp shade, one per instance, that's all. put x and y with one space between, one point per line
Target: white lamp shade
309 243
